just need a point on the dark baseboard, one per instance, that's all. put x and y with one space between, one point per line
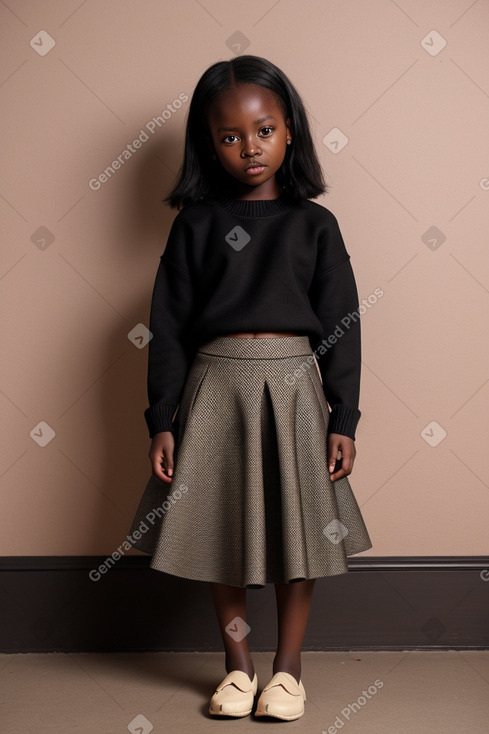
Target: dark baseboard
383 603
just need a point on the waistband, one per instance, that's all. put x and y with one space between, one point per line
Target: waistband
262 347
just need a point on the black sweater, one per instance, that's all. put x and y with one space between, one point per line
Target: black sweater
233 265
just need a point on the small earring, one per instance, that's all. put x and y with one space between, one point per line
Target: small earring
289 141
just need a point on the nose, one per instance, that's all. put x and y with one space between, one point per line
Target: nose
250 148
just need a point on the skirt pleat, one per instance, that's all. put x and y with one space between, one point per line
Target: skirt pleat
251 501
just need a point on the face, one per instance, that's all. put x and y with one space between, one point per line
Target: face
248 134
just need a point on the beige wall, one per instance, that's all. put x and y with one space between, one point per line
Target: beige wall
416 158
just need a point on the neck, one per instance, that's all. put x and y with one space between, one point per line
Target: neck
265 192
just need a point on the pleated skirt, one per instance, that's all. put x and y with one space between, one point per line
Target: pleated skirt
251 501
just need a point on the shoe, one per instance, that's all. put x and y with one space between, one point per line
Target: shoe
282 698
234 695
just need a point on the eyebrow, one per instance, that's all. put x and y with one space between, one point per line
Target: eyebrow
256 122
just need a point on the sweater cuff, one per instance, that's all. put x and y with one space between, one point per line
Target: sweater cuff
343 420
159 418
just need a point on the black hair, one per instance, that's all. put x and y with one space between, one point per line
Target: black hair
199 178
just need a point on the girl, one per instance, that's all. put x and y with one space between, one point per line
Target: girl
249 346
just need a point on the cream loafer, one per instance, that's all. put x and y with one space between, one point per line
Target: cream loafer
234 695
282 698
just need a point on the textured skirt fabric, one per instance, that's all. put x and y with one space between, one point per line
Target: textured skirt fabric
251 501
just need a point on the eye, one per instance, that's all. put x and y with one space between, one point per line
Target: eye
266 131
227 140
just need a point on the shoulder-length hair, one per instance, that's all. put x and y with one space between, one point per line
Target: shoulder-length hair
199 178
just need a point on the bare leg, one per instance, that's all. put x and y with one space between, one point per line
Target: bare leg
230 602
293 604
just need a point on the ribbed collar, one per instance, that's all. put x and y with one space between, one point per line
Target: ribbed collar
256 209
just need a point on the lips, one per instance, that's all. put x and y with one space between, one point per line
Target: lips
255 169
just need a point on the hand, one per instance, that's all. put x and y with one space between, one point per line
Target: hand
343 465
161 455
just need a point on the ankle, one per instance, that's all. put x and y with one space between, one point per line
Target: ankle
287 666
296 674
244 665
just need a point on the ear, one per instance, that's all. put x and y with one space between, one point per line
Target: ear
288 128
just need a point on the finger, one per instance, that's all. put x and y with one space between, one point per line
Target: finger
160 474
337 466
343 467
168 462
334 454
159 470
338 471
338 475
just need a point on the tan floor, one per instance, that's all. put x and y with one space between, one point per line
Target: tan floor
406 692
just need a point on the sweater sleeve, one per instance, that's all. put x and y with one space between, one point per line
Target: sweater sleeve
169 354
334 298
